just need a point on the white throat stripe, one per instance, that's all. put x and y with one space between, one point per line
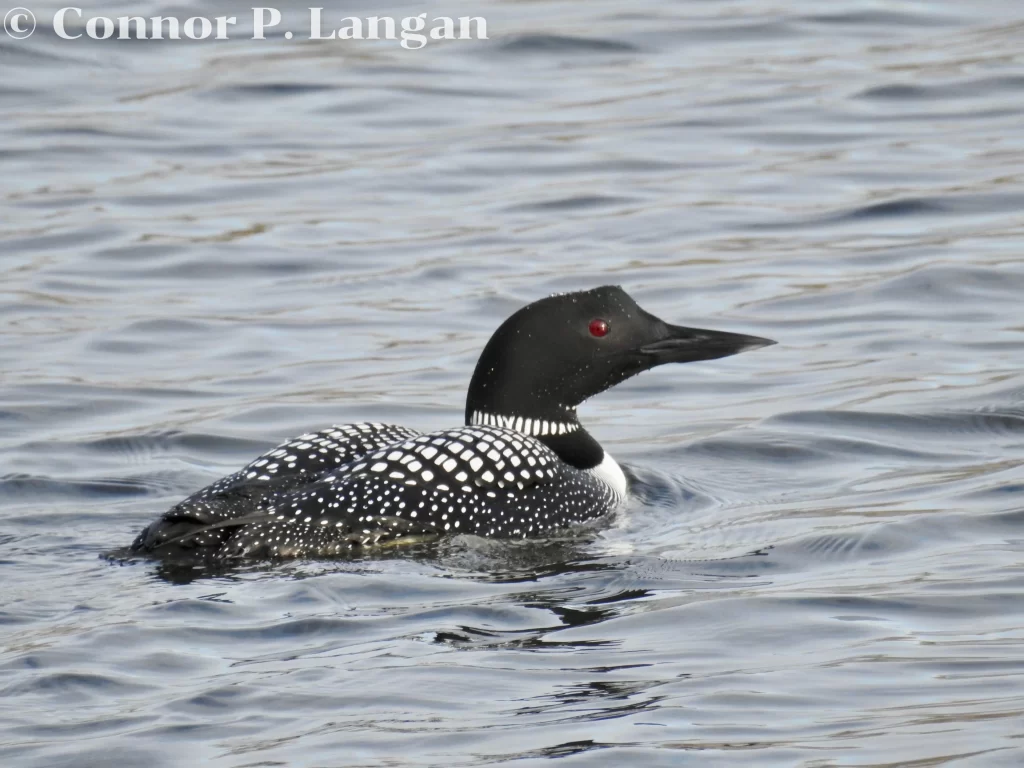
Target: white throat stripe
532 427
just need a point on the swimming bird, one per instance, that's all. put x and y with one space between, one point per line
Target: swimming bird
521 466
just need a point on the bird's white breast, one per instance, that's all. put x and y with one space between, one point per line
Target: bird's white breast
609 472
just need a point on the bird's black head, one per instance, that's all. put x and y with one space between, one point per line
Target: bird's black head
551 355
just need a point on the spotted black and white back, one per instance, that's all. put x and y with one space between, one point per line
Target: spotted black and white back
292 464
488 481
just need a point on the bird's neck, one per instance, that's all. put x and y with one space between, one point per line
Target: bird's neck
558 428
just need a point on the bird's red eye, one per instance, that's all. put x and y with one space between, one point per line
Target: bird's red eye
598 327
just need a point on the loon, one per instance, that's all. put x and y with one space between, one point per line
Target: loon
522 466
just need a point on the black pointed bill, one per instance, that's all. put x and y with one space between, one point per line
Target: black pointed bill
687 345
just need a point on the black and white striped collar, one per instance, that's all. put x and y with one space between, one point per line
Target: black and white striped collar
528 426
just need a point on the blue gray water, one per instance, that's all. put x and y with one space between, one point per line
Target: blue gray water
208 247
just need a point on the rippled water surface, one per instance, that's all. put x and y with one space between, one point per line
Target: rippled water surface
208 247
